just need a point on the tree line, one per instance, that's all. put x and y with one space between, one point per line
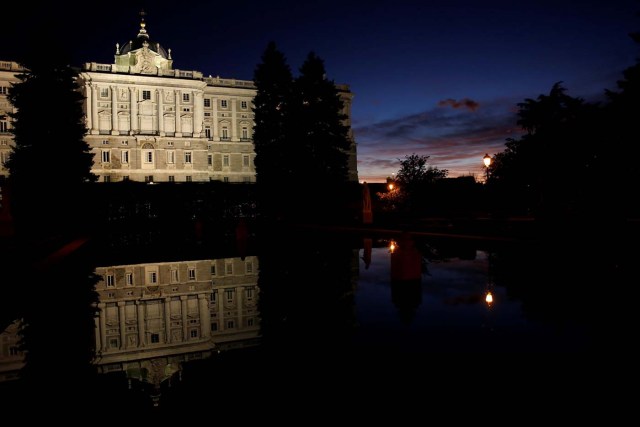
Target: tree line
576 160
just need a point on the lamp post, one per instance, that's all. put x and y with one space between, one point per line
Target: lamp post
487 162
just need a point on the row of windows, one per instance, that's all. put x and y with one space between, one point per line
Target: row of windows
171 158
230 295
146 95
174 274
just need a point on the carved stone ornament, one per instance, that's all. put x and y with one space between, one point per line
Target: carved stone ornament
145 60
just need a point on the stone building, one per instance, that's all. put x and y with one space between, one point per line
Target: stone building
148 121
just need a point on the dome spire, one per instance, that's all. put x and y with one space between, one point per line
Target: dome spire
143 31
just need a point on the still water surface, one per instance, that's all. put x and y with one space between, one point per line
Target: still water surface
189 320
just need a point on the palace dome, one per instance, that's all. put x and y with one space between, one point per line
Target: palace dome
139 41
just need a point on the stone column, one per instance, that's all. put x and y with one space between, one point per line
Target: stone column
88 102
123 326
198 105
141 331
216 125
183 301
178 111
103 326
95 126
114 111
133 99
205 317
221 297
234 120
239 305
167 319
160 95
96 321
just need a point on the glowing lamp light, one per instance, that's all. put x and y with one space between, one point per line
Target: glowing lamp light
487 160
390 186
489 298
393 246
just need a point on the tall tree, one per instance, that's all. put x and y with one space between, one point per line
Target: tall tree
321 135
554 163
412 181
272 105
623 150
50 163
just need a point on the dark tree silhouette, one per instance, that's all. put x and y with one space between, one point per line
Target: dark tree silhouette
274 84
551 168
50 164
414 178
622 114
319 126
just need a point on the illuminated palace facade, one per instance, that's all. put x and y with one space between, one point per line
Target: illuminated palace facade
147 121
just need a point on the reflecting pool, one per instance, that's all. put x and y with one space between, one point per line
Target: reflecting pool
147 320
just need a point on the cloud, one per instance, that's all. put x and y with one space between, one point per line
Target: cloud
455 139
470 104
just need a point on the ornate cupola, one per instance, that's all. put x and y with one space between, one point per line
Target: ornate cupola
143 55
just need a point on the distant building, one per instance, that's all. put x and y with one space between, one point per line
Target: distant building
147 121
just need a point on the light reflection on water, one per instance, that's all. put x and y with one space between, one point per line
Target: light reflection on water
304 296
447 311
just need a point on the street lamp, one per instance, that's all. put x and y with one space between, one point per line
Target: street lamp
487 162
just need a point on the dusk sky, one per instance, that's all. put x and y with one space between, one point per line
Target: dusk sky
435 78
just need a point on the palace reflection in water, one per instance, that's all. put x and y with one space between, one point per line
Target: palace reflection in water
172 321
